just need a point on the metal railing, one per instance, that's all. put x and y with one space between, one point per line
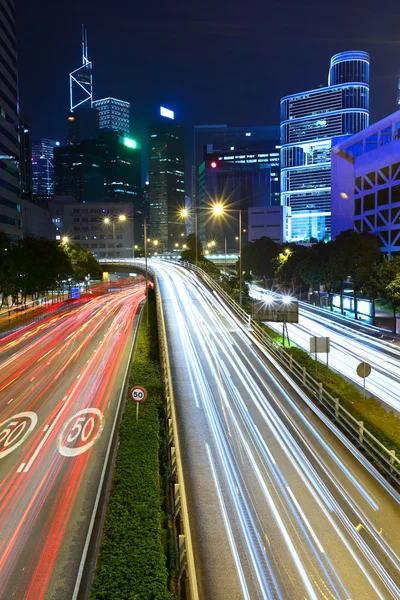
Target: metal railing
185 548
377 452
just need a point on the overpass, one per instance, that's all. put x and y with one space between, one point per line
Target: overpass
219 259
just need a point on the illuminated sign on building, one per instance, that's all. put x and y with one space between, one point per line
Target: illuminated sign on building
130 143
165 112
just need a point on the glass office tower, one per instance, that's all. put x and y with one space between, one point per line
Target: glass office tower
309 122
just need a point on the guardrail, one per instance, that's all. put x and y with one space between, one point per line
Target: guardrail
377 452
185 548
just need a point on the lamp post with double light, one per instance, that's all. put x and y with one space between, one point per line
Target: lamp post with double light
112 221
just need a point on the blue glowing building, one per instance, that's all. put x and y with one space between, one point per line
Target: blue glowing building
309 121
366 183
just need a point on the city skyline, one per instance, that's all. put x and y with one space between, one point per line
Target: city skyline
256 64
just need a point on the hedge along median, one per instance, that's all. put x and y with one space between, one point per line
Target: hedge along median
136 545
385 426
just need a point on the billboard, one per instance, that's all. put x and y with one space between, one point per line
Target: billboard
277 311
165 112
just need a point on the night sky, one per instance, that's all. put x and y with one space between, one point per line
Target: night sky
212 62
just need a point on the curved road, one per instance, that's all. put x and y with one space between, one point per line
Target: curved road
279 506
60 385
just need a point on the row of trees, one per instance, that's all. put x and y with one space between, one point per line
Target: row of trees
34 266
351 256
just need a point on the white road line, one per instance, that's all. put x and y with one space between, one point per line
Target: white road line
10 400
21 466
45 428
306 521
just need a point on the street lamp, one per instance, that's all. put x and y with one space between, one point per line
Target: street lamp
65 239
112 221
219 210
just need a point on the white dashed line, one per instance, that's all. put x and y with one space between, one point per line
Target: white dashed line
21 466
45 428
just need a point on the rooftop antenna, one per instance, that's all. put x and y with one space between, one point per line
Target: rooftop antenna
85 59
80 80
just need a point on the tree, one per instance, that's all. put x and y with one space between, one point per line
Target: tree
189 254
288 265
83 263
354 255
258 257
388 277
315 268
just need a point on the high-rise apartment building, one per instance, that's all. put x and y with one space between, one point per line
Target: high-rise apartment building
43 166
114 114
10 207
167 181
309 122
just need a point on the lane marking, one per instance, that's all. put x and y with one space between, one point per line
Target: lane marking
306 521
45 428
21 466
10 400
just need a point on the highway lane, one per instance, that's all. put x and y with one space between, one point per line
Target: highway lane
60 383
348 348
279 507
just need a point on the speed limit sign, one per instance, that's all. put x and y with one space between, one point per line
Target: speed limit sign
138 394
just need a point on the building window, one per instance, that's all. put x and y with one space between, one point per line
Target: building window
383 197
369 202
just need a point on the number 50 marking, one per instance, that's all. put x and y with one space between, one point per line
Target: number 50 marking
80 432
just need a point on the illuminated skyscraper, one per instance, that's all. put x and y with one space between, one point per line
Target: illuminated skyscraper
10 207
81 80
309 122
43 166
114 114
167 180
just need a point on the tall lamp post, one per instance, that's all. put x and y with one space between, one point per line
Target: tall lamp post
220 210
184 215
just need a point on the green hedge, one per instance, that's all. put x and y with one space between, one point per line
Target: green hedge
132 559
385 426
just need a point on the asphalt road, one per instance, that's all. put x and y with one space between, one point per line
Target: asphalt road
60 383
279 506
350 344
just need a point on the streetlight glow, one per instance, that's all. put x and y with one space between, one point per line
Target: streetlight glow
286 299
184 213
65 239
121 217
106 220
218 209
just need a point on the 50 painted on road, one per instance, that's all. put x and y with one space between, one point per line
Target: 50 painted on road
78 434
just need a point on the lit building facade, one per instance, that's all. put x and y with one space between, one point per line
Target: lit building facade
84 225
10 206
309 121
241 145
43 166
366 183
114 114
238 183
166 181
